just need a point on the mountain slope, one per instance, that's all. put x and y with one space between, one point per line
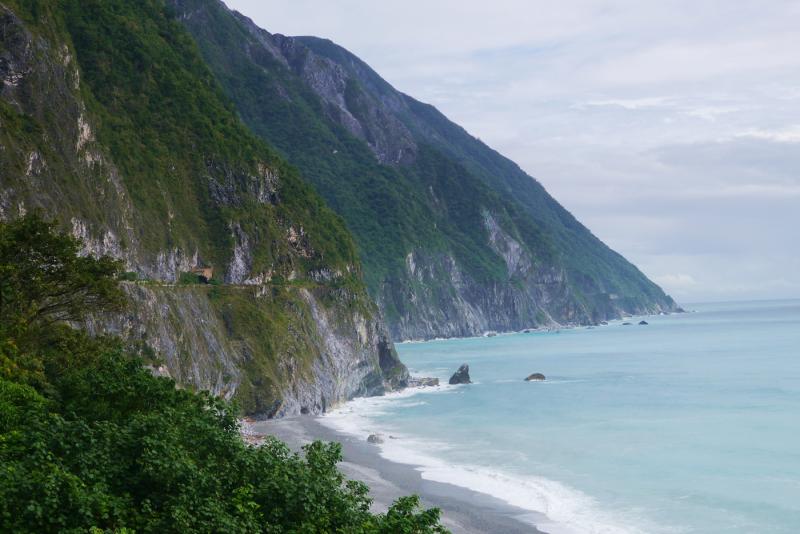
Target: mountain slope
112 123
455 239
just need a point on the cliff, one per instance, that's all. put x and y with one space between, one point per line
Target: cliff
455 239
111 123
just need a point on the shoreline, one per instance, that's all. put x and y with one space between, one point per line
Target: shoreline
463 510
540 329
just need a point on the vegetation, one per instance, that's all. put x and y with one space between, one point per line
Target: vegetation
431 203
90 440
157 115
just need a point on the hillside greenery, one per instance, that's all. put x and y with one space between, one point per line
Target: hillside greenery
91 441
186 159
434 202
391 210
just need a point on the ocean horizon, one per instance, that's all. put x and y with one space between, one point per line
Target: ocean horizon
688 424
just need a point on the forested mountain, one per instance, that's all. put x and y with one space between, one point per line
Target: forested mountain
111 123
455 238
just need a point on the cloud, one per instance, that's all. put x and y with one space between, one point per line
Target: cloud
676 281
629 103
789 134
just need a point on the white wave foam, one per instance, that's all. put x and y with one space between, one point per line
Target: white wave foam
567 510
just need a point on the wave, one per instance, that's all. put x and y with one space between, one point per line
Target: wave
554 506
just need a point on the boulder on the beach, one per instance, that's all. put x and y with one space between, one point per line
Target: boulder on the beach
643 322
422 382
535 377
461 376
375 438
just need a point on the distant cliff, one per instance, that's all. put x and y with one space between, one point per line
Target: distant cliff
111 123
455 238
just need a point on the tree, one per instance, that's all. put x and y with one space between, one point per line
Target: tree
44 279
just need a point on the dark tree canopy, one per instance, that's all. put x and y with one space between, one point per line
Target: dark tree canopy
43 279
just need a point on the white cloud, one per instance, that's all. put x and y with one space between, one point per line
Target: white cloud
789 134
676 281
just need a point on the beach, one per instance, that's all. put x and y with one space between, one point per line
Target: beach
463 511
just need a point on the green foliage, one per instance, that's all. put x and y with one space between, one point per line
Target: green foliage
432 204
128 276
43 280
188 164
191 278
91 441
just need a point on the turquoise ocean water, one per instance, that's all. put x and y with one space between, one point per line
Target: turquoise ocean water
688 425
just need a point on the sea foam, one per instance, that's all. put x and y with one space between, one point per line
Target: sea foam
555 507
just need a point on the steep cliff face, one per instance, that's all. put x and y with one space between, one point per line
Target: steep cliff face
455 238
111 123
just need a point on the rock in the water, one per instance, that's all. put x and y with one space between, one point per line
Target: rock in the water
538 377
643 322
626 324
461 376
422 382
375 438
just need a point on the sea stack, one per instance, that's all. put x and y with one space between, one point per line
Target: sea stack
461 376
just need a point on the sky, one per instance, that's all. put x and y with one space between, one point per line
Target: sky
670 128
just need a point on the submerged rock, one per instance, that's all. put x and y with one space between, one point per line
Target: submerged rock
535 377
422 382
461 376
375 438
643 322
626 324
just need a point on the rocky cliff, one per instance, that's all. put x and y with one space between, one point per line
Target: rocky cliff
455 238
111 123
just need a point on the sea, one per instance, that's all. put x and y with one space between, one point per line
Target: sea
689 424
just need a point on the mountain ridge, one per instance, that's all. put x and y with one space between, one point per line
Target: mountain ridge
455 238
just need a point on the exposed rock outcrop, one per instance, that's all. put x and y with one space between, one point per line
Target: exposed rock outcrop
461 376
422 382
535 377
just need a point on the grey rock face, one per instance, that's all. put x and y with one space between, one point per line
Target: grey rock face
461 376
422 382
437 299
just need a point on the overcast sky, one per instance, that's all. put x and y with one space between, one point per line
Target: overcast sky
670 128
